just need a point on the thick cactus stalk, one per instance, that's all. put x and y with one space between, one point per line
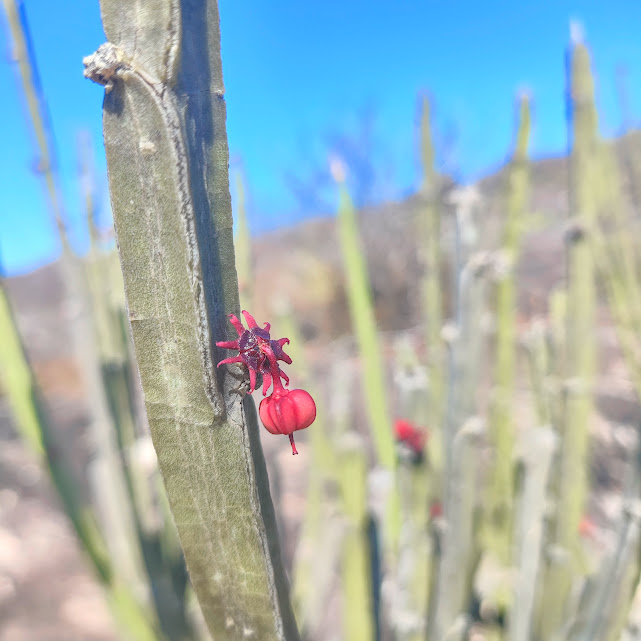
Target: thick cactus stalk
430 235
167 155
580 344
499 508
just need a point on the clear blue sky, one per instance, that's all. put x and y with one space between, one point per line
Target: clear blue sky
302 75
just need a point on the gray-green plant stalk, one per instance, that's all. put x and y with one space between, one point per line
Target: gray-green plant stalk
538 448
167 155
498 524
363 320
463 428
361 308
580 357
429 233
416 478
606 599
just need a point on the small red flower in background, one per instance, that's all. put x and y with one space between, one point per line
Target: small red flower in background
412 436
436 510
284 411
587 528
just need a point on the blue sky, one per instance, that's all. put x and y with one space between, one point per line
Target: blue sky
302 77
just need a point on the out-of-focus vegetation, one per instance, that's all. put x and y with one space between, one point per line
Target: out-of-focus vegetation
449 486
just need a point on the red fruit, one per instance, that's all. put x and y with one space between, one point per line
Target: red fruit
285 411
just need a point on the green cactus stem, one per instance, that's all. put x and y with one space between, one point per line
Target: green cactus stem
167 156
499 510
580 360
463 429
538 449
373 368
431 283
363 320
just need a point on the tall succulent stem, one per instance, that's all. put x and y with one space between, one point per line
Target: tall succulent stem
356 575
580 343
499 509
462 432
430 235
362 314
167 155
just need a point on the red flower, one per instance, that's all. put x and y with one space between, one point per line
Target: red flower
413 437
285 411
256 350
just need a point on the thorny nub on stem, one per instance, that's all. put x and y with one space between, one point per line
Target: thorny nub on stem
284 411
